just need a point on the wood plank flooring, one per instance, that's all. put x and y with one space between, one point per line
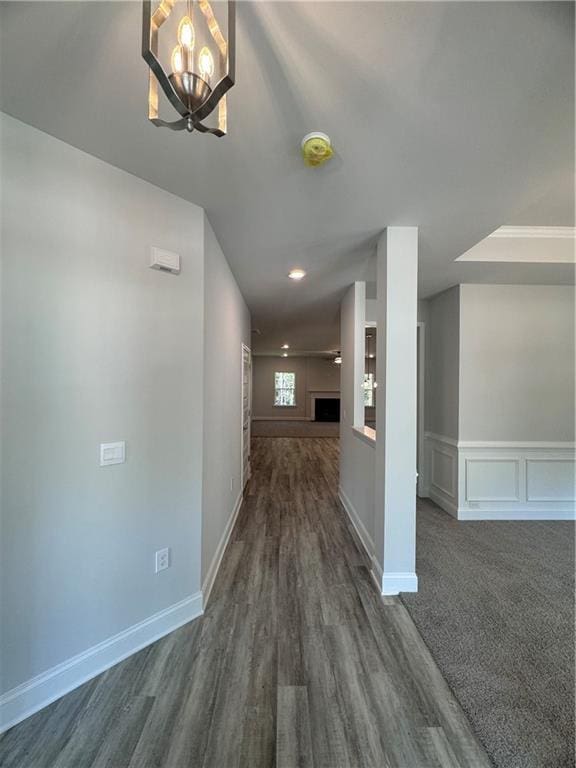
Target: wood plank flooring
297 662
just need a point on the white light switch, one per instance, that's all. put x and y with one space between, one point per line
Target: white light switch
112 453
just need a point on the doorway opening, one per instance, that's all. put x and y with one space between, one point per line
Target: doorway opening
246 412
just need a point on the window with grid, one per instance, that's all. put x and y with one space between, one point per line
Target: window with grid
369 390
284 388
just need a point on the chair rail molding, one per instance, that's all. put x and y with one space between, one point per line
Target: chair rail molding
502 480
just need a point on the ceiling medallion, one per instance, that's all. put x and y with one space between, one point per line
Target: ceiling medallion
190 50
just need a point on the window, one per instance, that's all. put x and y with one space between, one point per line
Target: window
368 390
284 389
369 384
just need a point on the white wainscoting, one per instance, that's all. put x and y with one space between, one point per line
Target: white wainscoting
502 480
516 481
441 457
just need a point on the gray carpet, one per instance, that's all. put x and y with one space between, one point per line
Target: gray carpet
496 609
295 428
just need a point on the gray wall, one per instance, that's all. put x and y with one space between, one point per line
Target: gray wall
517 363
313 374
95 347
227 327
357 457
443 354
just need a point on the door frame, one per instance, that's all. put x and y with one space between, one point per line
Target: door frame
244 480
421 362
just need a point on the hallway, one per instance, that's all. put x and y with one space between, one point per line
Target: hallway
297 660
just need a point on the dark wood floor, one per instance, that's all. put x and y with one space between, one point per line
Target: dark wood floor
297 660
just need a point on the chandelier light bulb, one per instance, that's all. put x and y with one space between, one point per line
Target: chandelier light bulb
177 60
186 35
206 63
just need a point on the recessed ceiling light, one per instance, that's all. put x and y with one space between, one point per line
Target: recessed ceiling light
296 274
285 346
285 354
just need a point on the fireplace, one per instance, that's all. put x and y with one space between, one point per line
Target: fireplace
327 409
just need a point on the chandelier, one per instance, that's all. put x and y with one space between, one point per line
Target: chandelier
190 50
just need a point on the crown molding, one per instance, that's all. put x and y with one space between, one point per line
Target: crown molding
546 233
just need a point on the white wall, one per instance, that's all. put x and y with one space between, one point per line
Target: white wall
227 327
517 362
314 375
396 413
378 469
98 347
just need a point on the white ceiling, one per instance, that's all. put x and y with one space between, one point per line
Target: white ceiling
455 117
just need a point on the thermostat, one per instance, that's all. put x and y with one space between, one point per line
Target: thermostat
167 261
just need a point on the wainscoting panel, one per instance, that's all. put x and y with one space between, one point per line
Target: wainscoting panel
497 477
511 481
550 479
502 481
441 456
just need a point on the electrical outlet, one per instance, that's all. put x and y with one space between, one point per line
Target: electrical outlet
162 559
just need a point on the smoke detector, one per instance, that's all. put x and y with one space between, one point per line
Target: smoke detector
316 149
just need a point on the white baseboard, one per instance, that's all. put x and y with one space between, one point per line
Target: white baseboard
359 527
443 502
423 491
394 583
363 536
515 514
282 418
220 549
35 694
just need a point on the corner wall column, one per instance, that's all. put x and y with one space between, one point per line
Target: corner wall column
396 409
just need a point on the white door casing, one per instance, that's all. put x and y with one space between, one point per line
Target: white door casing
246 412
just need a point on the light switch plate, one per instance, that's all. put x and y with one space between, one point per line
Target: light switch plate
112 453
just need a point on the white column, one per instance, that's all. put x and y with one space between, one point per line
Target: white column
396 371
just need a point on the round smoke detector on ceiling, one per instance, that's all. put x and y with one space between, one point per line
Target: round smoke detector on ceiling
316 149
